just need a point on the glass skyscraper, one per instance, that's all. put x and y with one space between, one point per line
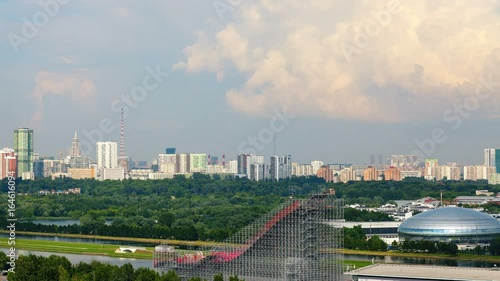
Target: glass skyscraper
23 147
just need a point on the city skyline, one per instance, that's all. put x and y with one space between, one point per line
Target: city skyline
214 78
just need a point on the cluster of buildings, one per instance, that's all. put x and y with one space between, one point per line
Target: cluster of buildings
111 164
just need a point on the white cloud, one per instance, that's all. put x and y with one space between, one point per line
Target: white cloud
418 59
76 87
68 60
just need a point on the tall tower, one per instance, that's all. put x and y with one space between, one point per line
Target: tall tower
23 147
122 159
75 147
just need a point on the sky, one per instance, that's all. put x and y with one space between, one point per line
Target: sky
323 80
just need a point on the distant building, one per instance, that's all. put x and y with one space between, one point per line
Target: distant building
430 168
479 172
8 163
370 174
246 160
347 174
233 167
113 174
182 163
75 147
451 171
494 179
258 171
214 160
216 169
24 148
107 155
410 174
167 163
497 160
393 174
489 157
197 162
78 174
316 165
302 170
160 176
403 160
325 173
170 150
281 167
140 174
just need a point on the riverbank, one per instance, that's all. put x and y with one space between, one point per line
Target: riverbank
127 239
464 257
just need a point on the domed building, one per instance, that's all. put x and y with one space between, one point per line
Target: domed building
451 224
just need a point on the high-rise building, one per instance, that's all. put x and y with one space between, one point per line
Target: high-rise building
430 164
316 164
75 147
281 167
24 147
325 173
479 172
246 160
107 155
497 160
8 163
392 174
489 157
347 174
167 163
182 163
370 174
170 150
233 167
450 171
197 162
257 171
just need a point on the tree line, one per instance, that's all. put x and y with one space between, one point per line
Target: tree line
57 268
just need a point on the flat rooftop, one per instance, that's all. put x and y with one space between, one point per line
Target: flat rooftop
425 272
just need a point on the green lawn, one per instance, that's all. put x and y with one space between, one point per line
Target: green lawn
76 248
355 264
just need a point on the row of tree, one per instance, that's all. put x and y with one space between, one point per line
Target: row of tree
57 268
355 239
426 247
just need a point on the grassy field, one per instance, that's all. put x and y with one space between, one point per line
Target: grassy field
354 264
76 248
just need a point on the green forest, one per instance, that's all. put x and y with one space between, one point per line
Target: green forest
201 207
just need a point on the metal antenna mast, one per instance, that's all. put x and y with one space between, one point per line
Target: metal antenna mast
122 137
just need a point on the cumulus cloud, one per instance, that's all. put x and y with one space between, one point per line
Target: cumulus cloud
388 61
75 87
